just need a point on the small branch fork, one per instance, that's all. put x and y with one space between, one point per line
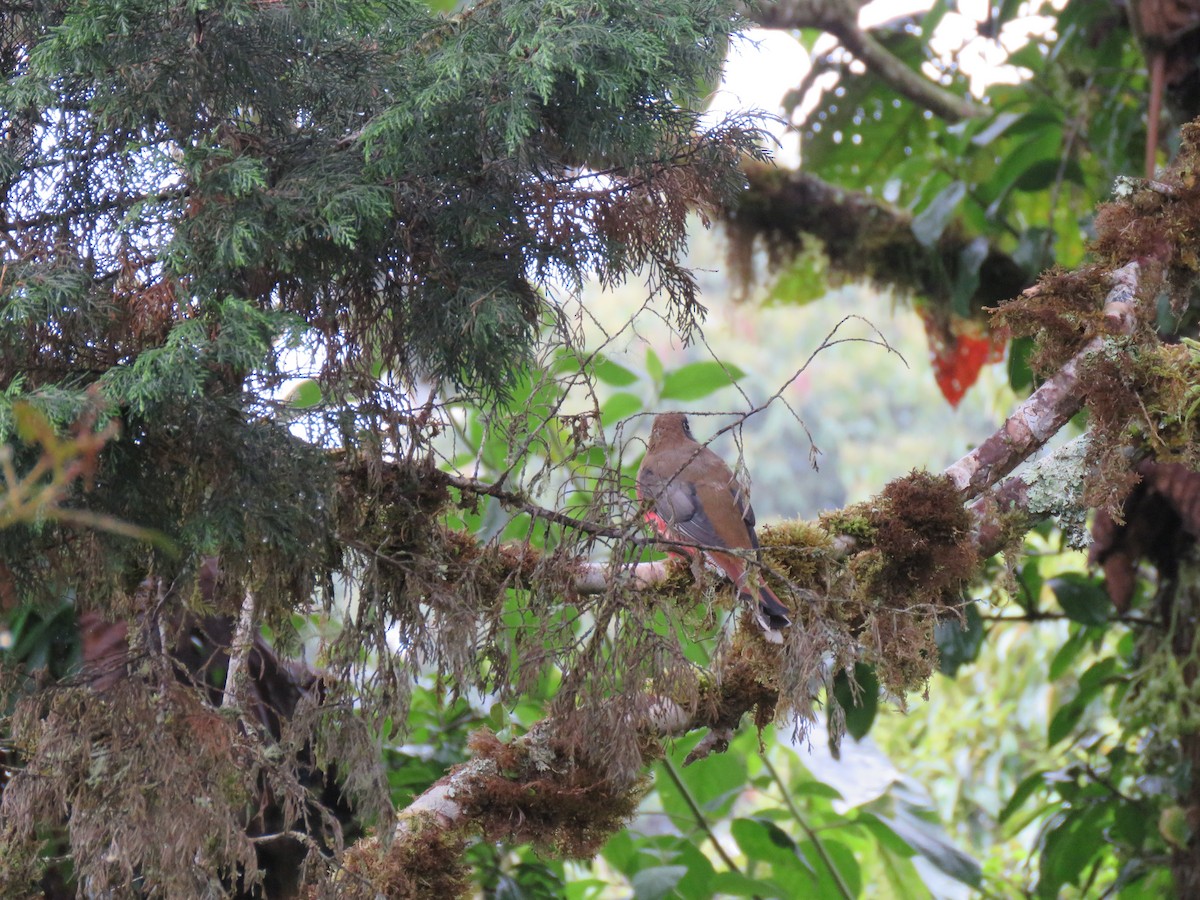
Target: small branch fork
840 18
1048 408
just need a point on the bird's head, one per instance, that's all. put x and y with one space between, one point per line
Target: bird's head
670 427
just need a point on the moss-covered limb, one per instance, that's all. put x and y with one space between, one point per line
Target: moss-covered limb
1052 405
840 18
532 789
863 239
1050 487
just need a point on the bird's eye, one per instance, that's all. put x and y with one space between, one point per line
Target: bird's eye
687 428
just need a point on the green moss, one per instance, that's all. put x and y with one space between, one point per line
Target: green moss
855 521
799 550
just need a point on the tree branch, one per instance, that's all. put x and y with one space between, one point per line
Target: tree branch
862 237
1049 407
840 18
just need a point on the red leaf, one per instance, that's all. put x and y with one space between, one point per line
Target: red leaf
959 349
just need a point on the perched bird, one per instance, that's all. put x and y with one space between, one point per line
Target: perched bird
694 498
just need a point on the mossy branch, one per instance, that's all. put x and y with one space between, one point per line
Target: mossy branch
862 238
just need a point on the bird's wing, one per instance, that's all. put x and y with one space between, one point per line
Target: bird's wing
676 503
701 513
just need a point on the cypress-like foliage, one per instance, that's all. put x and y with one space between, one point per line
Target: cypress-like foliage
192 191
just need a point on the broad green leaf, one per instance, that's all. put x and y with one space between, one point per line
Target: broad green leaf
885 835
654 365
735 884
1081 598
958 642
716 781
929 225
1075 643
1021 793
656 882
803 281
929 841
860 706
1020 374
996 126
1069 847
697 883
931 19
966 279
612 373
696 380
620 406
844 860
1064 720
816 788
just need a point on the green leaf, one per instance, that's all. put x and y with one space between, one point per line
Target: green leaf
656 882
696 380
1069 847
804 280
1044 173
1020 374
958 642
966 279
697 883
930 842
860 711
735 884
716 781
761 839
654 365
1023 792
610 372
885 834
846 863
1065 718
1081 598
620 406
929 225
998 124
931 19
1068 653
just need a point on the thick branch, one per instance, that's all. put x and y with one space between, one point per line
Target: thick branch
434 830
1049 407
1049 487
862 237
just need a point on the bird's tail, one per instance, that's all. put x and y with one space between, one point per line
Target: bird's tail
773 615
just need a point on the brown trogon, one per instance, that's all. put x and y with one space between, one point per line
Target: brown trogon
692 497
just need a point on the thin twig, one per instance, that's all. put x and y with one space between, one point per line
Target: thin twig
843 888
698 814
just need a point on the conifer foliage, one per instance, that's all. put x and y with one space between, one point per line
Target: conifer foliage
192 191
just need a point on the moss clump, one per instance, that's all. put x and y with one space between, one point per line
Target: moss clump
799 550
917 555
855 521
537 793
924 535
427 861
1061 313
